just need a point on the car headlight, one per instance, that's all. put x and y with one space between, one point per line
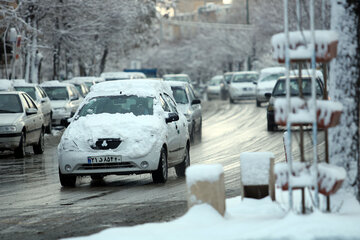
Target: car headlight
69 145
8 129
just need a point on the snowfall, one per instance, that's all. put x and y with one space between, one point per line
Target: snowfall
253 219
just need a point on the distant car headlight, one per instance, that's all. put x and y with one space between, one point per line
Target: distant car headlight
69 145
8 129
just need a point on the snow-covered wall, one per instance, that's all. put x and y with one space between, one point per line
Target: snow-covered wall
344 77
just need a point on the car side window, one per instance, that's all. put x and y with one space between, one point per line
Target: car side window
42 92
30 102
24 102
171 102
164 104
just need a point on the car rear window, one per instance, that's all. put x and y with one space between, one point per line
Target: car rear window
180 95
28 90
118 104
280 87
10 103
57 93
245 77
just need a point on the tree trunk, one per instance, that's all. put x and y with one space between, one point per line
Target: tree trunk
344 87
103 60
82 69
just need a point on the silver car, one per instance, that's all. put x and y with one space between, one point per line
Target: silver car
41 99
190 106
65 100
21 123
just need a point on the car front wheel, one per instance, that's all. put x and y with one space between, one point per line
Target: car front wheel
161 173
20 150
180 168
67 180
39 147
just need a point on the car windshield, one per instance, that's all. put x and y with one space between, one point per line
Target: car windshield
177 78
28 90
228 77
118 104
272 77
244 77
10 103
180 95
88 84
280 87
57 93
215 81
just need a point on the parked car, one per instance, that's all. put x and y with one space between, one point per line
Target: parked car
266 82
125 127
6 85
242 86
65 100
177 77
190 106
21 123
80 86
279 91
112 76
41 99
88 80
216 87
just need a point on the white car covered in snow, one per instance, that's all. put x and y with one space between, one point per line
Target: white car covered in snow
267 80
125 127
242 86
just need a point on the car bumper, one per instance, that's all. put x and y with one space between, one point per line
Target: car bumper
60 118
213 94
81 166
243 95
9 141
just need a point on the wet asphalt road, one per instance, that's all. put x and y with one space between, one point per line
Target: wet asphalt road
35 206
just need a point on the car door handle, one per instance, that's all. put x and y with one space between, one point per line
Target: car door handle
176 126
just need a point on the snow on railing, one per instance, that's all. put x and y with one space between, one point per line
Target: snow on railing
329 180
300 47
328 112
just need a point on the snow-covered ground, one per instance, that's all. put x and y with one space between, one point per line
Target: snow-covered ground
251 219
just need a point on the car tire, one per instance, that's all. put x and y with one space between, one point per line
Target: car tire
49 127
161 173
192 133
20 150
40 146
271 127
258 103
67 180
199 134
181 168
231 100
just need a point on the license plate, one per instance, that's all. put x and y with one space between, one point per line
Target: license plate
104 159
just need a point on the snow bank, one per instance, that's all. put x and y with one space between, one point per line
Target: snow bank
300 47
248 219
203 172
255 167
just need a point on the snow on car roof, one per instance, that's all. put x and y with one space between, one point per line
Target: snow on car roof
176 75
269 70
115 74
55 83
177 83
87 79
5 85
140 87
22 82
246 72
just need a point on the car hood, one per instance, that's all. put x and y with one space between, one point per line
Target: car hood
242 85
138 134
266 85
10 118
58 103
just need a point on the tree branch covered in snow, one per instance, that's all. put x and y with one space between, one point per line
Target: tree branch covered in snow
344 87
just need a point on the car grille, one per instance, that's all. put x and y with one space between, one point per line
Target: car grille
110 143
90 166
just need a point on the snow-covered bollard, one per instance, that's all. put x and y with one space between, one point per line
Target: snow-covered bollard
205 184
257 174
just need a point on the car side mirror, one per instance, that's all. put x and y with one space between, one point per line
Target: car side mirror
43 100
31 111
195 101
268 95
172 117
254 82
